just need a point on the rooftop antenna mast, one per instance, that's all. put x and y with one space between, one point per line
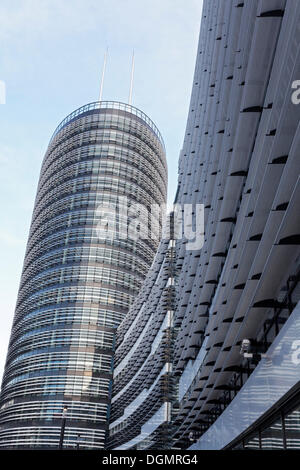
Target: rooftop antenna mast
103 74
131 79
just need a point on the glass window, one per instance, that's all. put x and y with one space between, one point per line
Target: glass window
292 429
272 436
238 446
252 442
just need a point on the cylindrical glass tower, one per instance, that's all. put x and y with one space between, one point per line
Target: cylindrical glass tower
77 282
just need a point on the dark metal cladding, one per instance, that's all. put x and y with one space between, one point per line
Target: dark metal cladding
240 159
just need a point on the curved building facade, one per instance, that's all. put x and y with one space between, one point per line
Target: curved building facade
238 298
143 388
80 275
233 377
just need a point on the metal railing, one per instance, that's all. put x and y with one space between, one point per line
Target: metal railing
109 105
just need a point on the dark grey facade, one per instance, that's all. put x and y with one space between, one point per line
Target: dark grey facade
78 281
240 158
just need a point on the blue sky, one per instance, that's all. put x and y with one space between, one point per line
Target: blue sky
51 62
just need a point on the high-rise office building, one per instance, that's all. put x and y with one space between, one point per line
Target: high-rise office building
215 363
80 275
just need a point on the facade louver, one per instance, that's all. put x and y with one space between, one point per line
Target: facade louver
217 364
79 279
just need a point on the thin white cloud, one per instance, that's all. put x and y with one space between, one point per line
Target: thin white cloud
10 239
125 19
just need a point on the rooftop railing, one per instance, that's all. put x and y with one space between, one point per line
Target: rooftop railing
109 105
